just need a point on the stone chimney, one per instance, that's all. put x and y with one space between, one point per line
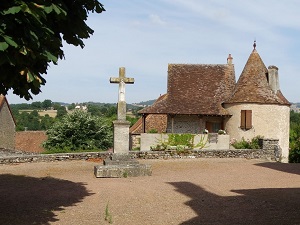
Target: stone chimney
273 78
229 59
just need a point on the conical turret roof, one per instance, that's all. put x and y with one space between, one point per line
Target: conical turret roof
253 86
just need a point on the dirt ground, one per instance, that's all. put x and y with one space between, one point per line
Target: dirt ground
182 191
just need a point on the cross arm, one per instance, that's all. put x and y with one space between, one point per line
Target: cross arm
126 80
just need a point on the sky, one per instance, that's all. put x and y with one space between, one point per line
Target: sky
146 36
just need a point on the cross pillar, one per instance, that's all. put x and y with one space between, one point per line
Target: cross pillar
121 125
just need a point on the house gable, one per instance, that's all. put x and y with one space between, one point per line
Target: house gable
7 125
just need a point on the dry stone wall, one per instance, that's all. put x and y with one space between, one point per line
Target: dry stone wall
172 154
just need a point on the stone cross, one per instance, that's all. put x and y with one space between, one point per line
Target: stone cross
122 80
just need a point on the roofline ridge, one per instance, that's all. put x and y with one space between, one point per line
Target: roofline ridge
199 64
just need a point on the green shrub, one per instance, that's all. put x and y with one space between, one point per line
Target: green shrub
181 139
153 131
243 144
136 149
294 156
254 144
79 131
179 142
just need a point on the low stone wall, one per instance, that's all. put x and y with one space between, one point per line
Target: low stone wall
268 143
172 154
23 158
212 153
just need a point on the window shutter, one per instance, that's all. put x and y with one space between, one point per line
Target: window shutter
208 126
243 119
248 119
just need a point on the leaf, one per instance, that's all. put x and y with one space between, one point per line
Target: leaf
23 50
38 79
58 10
13 10
39 6
34 35
51 57
46 29
22 72
3 46
10 41
48 9
29 77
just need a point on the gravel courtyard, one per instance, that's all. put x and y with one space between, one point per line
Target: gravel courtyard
181 191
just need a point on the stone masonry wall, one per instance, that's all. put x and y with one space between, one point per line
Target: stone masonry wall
172 154
184 124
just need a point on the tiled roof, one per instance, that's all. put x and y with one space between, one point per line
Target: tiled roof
2 101
153 121
253 87
195 89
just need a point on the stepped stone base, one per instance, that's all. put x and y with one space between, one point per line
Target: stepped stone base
120 165
118 171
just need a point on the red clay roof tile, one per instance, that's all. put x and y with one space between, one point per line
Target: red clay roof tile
195 89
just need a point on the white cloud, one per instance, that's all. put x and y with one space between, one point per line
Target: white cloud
157 20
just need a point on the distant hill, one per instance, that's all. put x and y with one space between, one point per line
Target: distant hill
146 103
297 104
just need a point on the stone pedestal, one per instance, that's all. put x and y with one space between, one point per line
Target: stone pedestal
121 165
121 136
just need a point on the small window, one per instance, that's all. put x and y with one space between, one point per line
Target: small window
246 119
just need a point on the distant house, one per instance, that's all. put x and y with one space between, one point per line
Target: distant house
82 107
207 97
7 125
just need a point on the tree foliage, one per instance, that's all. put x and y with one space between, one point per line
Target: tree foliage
79 131
32 121
106 110
294 156
46 104
31 34
61 112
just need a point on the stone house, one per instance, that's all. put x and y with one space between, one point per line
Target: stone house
7 125
207 97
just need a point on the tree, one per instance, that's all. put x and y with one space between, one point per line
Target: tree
95 110
56 105
46 104
61 112
79 131
31 34
294 155
72 106
29 120
36 105
46 122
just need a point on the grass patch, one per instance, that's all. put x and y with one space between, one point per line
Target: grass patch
108 216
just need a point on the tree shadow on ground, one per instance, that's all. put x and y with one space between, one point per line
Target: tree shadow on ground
284 167
29 200
250 206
